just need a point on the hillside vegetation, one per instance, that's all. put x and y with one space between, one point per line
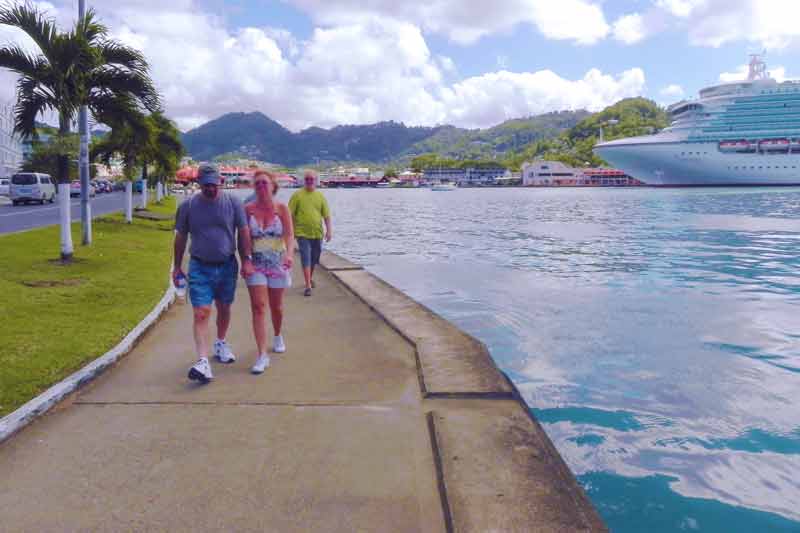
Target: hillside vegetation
635 116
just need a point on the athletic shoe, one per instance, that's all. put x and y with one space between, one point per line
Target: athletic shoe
222 352
278 346
261 364
307 292
201 371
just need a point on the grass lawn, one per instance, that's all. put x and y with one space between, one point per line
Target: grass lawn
56 318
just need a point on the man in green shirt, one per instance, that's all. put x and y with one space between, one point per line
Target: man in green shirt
309 208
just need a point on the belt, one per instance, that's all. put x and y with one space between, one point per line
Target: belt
211 263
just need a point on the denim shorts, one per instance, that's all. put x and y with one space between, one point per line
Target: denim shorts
310 250
271 282
211 281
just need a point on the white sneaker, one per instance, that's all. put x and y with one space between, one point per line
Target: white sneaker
261 364
222 352
201 371
278 346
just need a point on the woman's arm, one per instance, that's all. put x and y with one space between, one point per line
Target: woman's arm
288 229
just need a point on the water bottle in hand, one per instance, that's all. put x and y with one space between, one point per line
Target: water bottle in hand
180 287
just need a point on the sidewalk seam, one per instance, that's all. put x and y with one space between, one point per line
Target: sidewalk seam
437 463
41 404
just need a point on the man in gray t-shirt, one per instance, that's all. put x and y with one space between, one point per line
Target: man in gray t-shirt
214 220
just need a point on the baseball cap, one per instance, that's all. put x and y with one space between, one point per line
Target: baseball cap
208 175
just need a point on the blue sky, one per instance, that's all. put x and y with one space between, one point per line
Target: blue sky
464 62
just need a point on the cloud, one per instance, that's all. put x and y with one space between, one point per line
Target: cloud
713 23
629 29
490 98
364 70
777 73
672 91
466 21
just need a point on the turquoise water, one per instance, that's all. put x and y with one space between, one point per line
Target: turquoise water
655 333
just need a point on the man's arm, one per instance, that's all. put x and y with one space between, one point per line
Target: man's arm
179 248
328 229
326 216
245 245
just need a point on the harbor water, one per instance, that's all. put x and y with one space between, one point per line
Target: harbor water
654 333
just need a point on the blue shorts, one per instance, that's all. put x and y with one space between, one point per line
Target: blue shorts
211 281
310 250
271 282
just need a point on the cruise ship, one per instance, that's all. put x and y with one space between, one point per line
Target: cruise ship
739 133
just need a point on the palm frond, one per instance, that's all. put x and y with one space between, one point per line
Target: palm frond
116 53
31 102
90 29
39 27
114 80
16 59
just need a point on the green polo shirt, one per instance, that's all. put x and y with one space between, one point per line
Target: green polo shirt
308 209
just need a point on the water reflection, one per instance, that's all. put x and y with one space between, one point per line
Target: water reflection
655 333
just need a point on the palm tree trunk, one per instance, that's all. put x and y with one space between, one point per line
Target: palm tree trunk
65 209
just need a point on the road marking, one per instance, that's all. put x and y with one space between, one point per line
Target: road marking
36 210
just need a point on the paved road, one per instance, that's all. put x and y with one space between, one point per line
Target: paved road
24 217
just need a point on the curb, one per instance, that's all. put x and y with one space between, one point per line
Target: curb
41 404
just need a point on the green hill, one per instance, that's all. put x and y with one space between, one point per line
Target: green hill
256 136
635 116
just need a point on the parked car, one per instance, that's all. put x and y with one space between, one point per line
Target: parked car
29 187
75 189
102 186
5 186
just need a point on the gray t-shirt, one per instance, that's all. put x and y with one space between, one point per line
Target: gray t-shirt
212 225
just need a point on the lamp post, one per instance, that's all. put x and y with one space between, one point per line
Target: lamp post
83 164
610 122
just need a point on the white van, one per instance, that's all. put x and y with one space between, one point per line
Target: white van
32 187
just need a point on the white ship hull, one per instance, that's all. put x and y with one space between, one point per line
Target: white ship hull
681 164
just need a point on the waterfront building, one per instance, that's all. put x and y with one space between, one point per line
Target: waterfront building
549 174
435 175
482 177
739 133
558 174
10 146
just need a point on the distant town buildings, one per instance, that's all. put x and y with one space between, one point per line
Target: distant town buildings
558 174
10 146
467 177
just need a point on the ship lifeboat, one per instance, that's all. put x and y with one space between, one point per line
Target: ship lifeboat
737 146
774 145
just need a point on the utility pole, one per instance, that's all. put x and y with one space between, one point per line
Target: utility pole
83 160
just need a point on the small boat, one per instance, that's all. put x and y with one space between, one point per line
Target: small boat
444 186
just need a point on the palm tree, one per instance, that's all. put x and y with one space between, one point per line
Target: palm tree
166 150
130 136
73 68
142 142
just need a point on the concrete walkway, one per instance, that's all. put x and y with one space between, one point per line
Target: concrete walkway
355 428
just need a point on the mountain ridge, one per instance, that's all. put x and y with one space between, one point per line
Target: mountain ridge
255 135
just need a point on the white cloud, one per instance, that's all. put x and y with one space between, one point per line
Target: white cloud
466 21
771 24
484 100
368 69
679 8
672 91
778 73
629 29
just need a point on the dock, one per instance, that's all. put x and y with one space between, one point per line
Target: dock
382 416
